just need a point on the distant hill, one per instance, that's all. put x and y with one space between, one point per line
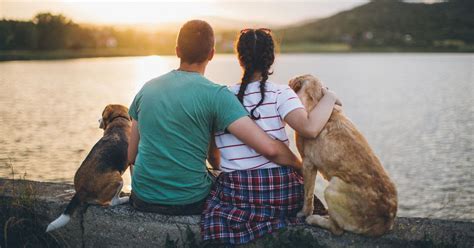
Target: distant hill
391 23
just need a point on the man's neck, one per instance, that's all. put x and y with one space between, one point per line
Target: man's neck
196 67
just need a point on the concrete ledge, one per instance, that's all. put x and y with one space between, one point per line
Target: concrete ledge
122 226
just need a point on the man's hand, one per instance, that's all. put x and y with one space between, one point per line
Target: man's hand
133 145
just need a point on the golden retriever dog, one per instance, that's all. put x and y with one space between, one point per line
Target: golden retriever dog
99 178
360 196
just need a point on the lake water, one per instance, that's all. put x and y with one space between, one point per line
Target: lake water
416 111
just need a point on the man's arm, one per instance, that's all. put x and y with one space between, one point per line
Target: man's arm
133 145
252 135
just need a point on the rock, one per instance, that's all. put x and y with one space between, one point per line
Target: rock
122 226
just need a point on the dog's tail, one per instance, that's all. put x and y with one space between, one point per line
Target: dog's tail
66 216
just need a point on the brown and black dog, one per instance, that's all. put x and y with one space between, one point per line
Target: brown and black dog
99 178
360 196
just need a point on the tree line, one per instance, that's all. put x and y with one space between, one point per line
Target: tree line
47 31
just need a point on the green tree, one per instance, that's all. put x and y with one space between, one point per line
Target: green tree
52 30
17 35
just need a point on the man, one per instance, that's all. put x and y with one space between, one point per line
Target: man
174 116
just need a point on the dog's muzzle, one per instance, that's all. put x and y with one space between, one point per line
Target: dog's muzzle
101 122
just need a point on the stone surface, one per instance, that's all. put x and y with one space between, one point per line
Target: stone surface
122 226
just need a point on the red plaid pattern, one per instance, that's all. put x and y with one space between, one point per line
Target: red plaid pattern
247 204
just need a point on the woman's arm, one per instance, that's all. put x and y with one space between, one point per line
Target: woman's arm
213 154
133 145
309 125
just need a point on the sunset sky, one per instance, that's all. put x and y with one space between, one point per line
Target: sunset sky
154 12
128 12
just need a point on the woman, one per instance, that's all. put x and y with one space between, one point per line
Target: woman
254 196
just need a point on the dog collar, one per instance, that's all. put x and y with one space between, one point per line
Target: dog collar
120 116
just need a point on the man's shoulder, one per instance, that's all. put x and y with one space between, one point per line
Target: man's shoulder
157 80
162 78
211 87
211 84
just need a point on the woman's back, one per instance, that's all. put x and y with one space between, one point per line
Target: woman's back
279 101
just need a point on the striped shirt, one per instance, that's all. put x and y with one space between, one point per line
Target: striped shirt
279 101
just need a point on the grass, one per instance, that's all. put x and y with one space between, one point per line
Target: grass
21 225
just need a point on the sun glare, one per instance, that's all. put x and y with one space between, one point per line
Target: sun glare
148 12
149 67
126 12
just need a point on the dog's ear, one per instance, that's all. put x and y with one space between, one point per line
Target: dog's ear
106 115
123 110
112 111
310 87
314 88
296 83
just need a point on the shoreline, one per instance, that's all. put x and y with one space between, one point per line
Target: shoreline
25 55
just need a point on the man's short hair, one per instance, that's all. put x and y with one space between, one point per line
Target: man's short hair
195 41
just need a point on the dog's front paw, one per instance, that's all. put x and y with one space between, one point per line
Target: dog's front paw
300 214
119 200
304 212
124 199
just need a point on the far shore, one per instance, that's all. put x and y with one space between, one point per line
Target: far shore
11 55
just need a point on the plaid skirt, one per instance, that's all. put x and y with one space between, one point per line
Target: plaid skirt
247 204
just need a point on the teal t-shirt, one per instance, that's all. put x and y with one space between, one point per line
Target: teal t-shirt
176 114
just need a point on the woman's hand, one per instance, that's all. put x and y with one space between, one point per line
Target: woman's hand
332 94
